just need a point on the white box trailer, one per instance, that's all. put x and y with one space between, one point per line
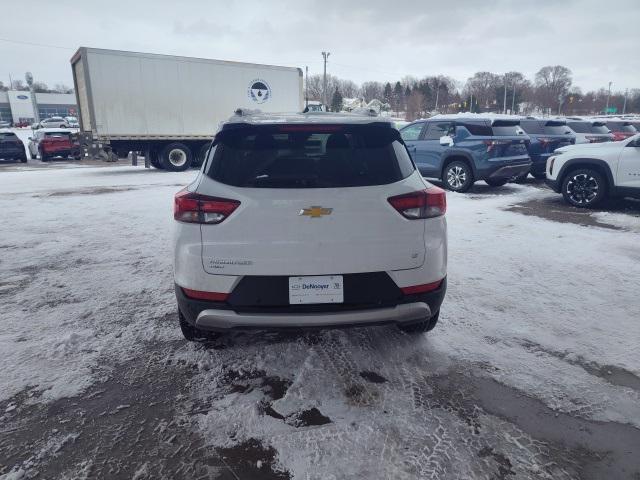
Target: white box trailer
168 107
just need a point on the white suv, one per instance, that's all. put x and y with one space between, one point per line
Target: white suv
586 174
308 220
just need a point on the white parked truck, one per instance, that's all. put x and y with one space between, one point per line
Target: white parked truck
169 108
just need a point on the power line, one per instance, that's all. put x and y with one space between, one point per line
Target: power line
35 44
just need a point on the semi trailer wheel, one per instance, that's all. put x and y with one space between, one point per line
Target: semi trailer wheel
176 157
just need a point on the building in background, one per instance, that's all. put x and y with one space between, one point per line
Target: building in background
16 106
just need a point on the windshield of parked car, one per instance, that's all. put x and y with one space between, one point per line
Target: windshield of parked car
300 156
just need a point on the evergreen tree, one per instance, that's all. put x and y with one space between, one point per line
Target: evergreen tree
398 97
336 101
388 94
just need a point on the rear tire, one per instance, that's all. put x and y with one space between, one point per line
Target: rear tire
496 182
584 188
175 157
23 159
421 327
457 176
193 334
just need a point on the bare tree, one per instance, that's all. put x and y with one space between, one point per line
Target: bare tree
552 85
61 88
19 85
40 87
371 90
3 88
483 86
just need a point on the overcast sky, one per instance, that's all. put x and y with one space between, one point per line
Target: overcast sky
368 39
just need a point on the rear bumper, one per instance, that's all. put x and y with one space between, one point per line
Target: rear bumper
221 316
12 153
216 319
509 171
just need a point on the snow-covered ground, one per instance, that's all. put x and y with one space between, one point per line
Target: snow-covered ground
541 318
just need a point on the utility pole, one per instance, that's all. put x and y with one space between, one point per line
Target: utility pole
471 104
504 103
606 110
306 87
10 82
437 94
513 99
325 55
624 105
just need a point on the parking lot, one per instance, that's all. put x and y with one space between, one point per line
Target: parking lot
532 372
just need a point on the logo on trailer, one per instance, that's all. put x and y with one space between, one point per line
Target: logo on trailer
22 97
259 91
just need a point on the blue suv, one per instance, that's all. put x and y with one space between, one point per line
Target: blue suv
461 149
545 136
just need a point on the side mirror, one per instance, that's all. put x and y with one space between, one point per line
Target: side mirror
446 141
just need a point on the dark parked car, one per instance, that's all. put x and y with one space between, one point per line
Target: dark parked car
621 129
589 131
546 136
462 149
11 147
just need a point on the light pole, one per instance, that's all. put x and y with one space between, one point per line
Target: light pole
504 102
624 105
325 55
606 110
437 94
513 99
306 87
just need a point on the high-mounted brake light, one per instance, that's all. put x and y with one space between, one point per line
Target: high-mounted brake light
192 207
428 203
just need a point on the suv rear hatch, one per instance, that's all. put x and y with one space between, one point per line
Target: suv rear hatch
508 140
10 144
313 200
56 142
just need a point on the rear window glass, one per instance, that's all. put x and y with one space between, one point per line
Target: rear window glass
56 135
599 128
556 129
621 127
8 135
478 129
580 127
506 128
531 126
302 156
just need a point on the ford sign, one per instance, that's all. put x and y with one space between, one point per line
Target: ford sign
22 97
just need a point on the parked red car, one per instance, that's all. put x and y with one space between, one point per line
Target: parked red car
621 129
53 142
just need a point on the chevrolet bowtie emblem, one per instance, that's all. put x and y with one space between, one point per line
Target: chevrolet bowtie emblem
315 211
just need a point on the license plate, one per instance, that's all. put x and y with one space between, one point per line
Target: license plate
319 289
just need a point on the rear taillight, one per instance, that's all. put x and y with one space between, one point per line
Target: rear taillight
424 288
544 141
592 139
491 144
192 207
428 203
200 295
